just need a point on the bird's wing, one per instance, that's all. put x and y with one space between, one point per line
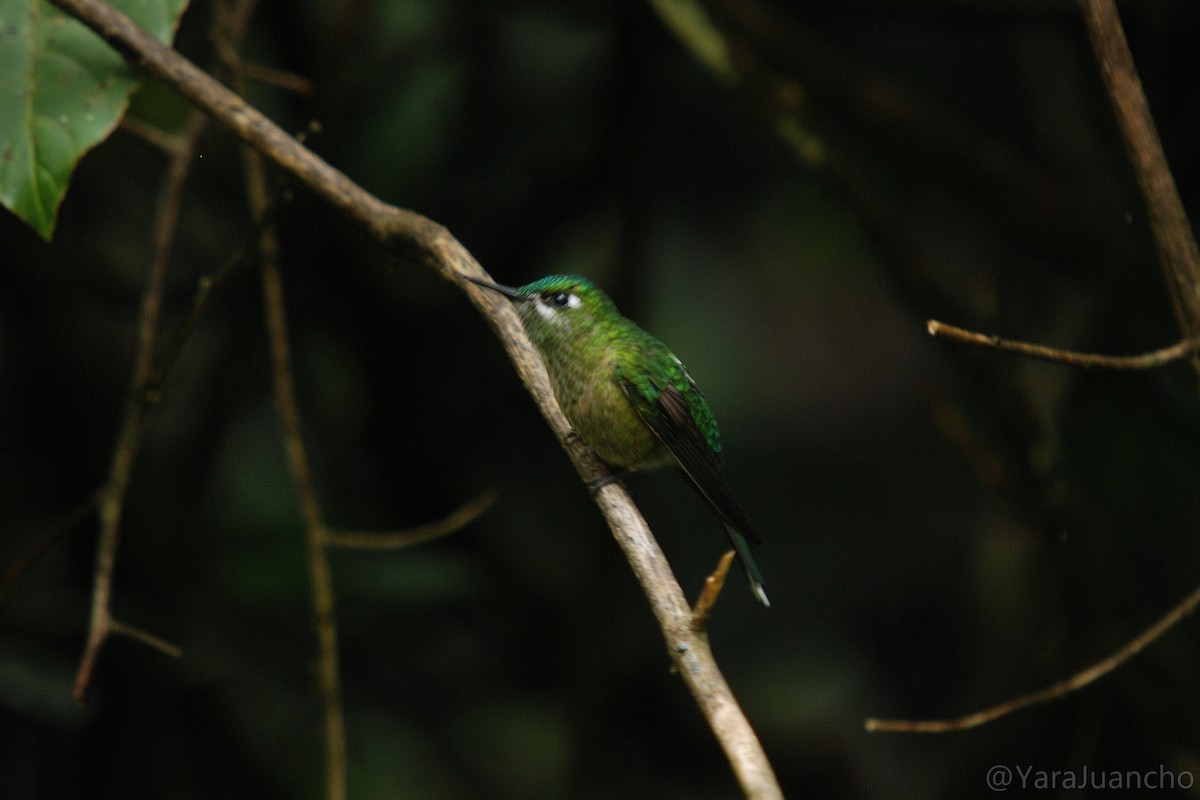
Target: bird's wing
670 417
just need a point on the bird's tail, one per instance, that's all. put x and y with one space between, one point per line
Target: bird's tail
753 575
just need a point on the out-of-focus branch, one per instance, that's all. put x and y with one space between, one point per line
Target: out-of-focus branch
280 79
1173 238
203 294
443 253
283 381
1064 687
169 143
111 497
455 521
321 578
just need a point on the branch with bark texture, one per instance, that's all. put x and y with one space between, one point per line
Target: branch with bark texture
1173 238
439 250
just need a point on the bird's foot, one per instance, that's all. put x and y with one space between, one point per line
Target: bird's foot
597 484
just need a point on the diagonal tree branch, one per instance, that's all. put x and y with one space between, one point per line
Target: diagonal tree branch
443 253
1177 249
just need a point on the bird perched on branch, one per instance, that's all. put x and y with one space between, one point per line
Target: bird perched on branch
627 395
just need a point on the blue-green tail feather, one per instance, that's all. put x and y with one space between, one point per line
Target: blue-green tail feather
742 548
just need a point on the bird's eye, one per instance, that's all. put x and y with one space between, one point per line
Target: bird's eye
560 299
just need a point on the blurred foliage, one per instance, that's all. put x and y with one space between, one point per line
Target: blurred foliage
945 528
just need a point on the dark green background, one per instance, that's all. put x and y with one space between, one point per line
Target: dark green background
944 528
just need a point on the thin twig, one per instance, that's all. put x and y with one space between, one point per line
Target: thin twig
1156 358
116 627
111 498
279 78
713 585
455 521
1064 687
443 253
169 143
1177 249
200 299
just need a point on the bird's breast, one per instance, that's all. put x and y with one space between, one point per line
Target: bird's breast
601 413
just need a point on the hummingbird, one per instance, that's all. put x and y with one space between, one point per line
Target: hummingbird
627 396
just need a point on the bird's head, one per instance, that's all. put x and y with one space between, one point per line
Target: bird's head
558 306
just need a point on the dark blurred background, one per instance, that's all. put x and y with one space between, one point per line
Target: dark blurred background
945 528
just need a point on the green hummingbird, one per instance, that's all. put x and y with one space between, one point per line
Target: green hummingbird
627 395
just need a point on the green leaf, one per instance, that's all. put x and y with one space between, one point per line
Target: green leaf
62 91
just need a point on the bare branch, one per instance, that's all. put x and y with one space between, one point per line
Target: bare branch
170 143
1177 250
280 79
149 639
454 522
1058 690
1157 358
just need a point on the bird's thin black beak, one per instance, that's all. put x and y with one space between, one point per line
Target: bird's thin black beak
507 291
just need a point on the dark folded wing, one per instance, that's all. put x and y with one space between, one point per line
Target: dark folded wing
670 418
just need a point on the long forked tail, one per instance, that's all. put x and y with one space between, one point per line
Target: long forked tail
752 573
716 495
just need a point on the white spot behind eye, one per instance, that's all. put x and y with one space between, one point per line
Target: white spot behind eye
549 310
